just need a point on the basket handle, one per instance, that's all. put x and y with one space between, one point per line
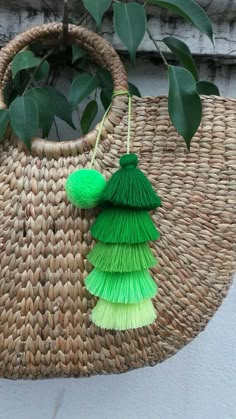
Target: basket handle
98 48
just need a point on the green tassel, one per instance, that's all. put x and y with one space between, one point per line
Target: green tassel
121 257
124 225
130 187
123 316
130 287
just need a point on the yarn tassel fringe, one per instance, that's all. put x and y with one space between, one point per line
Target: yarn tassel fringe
121 257
132 287
129 187
124 225
123 316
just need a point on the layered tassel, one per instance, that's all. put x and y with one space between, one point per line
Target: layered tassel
122 256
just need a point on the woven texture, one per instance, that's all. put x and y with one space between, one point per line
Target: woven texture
45 329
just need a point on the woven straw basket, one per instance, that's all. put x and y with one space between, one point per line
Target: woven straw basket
45 329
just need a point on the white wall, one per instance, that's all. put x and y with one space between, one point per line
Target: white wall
198 383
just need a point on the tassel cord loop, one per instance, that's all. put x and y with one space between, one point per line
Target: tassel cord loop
129 123
115 93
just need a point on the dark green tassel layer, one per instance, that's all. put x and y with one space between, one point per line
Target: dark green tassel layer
129 187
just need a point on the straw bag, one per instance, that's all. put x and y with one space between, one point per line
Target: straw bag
45 329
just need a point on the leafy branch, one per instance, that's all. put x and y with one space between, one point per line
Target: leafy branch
33 102
130 24
37 68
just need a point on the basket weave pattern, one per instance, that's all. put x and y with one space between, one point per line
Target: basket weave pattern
44 240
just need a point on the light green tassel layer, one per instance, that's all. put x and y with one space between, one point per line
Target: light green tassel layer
132 287
123 316
121 257
124 225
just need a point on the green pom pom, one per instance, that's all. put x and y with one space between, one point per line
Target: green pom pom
122 257
123 316
84 188
129 187
128 287
124 225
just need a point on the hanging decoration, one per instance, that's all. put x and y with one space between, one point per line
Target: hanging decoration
122 257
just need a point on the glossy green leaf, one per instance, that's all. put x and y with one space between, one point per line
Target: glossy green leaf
184 103
182 53
60 106
106 97
8 91
134 90
189 10
88 116
81 87
83 64
21 80
130 23
42 71
207 88
43 101
105 78
77 53
97 8
24 118
24 60
4 121
36 47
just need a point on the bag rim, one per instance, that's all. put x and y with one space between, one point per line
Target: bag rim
102 52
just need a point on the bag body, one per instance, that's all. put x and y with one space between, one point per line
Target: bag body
45 329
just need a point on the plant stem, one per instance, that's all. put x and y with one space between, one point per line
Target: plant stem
36 70
145 3
83 17
65 23
56 127
49 9
158 49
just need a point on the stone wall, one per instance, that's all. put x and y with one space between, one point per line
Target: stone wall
17 16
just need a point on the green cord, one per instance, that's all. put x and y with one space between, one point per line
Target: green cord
129 124
115 93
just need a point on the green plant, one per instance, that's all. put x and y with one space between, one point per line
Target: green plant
34 101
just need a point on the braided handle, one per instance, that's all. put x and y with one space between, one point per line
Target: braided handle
101 51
